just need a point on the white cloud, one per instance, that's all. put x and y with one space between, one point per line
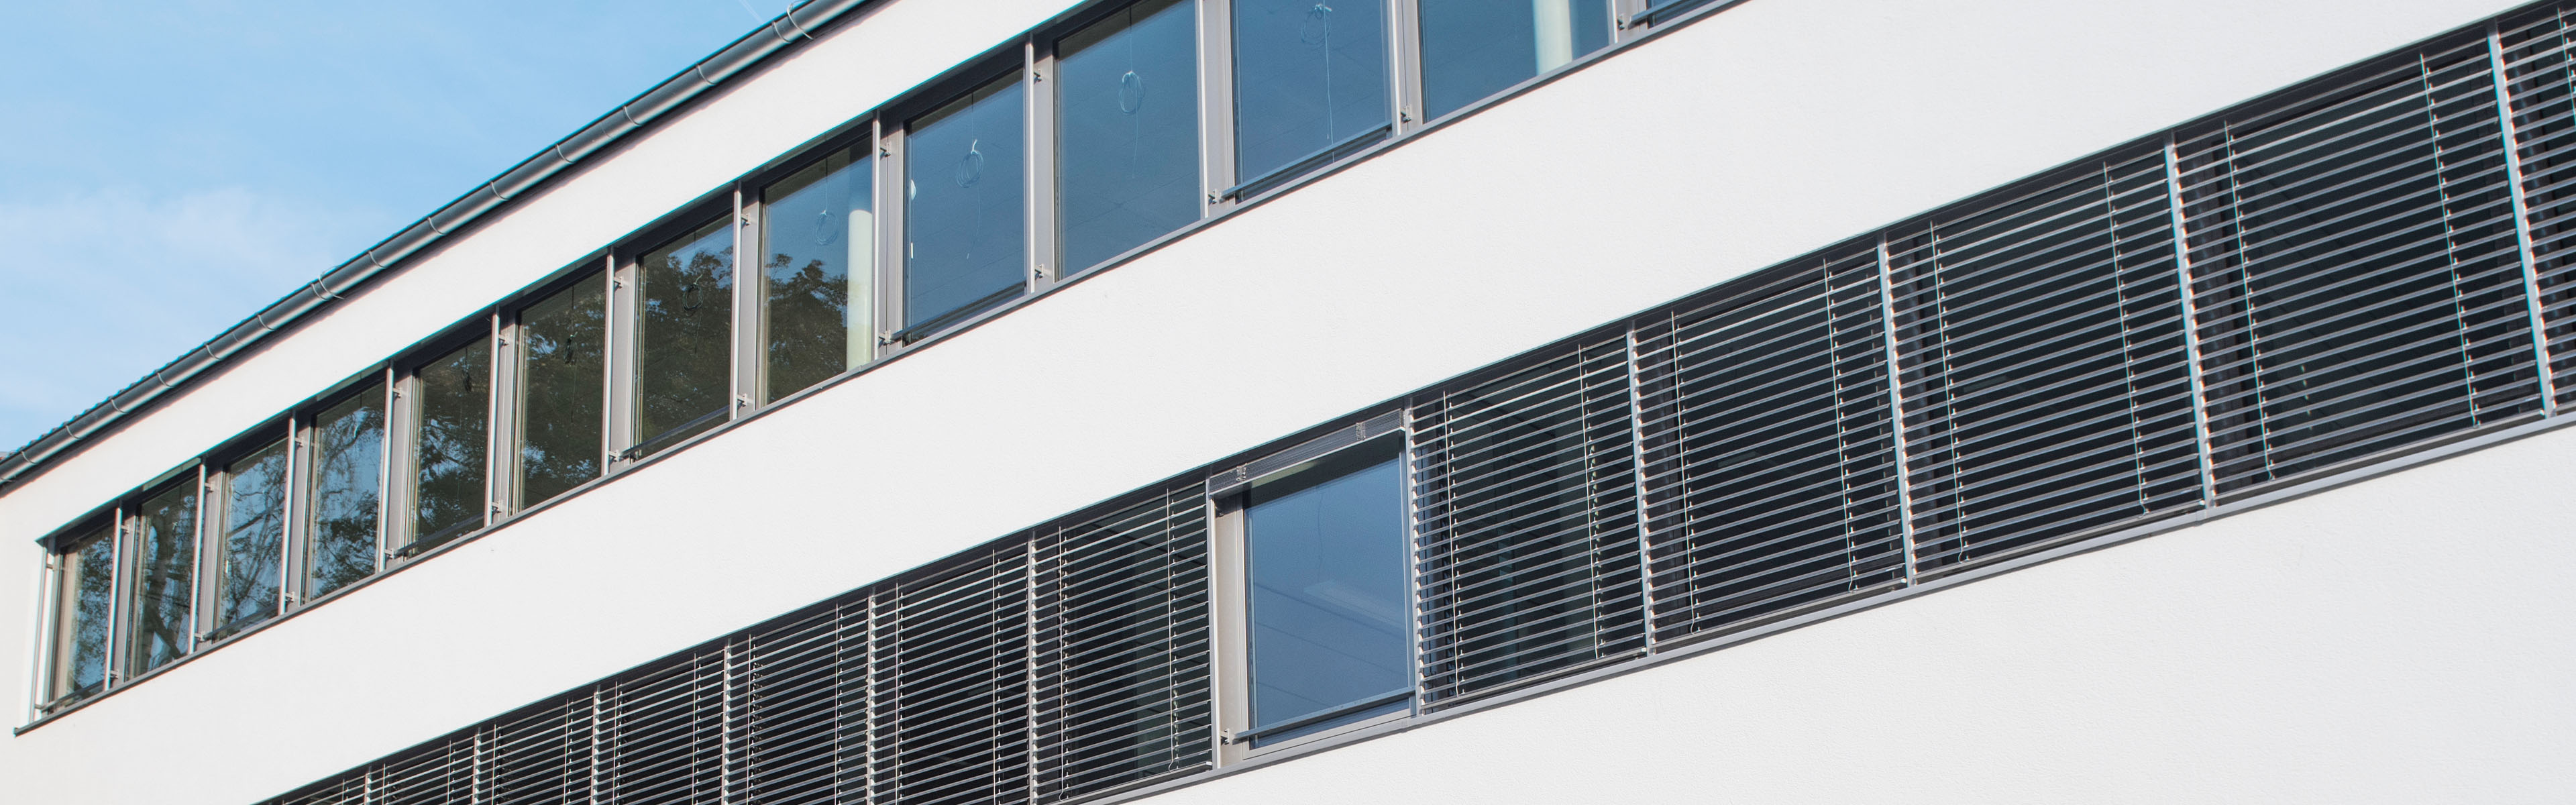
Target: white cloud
98 288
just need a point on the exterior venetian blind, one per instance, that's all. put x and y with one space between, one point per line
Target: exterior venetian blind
438 773
951 714
1526 520
2542 80
2355 269
2045 381
1769 450
806 699
665 736
541 755
1123 679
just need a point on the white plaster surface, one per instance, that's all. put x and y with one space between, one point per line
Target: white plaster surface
1774 128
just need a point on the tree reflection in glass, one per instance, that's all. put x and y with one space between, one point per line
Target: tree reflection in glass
253 540
819 229
348 469
562 369
165 541
684 336
965 247
450 444
1127 133
88 592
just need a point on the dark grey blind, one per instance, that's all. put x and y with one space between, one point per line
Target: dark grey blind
2534 51
665 736
952 711
804 699
2355 269
437 773
1525 491
1122 647
541 755
2046 382
1770 456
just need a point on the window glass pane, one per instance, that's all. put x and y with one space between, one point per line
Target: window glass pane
88 585
964 245
684 335
1325 550
561 401
1128 108
348 462
254 539
455 399
1474 48
1308 76
819 229
165 540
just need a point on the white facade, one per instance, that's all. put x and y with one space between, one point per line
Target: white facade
2400 639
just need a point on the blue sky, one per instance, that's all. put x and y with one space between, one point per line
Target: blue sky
168 167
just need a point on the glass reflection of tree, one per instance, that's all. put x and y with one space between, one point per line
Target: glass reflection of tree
348 450
254 539
807 310
686 334
168 526
95 586
560 341
453 410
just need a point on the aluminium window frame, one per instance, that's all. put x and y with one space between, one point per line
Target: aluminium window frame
626 446
401 486
129 555
509 390
214 512
307 419
1047 183
1229 594
54 663
894 123
860 138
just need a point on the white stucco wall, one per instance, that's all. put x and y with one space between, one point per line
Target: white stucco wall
1772 129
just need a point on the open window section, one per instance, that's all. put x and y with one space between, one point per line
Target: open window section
683 337
562 376
252 541
1127 153
1329 594
818 243
1310 86
347 498
86 581
449 438
1472 49
164 529
965 207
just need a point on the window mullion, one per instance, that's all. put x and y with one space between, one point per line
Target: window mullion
1038 139
749 292
622 317
1216 105
891 179
501 421
1404 58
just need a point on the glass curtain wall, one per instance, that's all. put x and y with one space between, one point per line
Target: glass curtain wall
684 336
252 540
1127 151
818 240
346 499
1472 49
1310 80
965 209
88 593
164 588
450 439
563 372
1330 604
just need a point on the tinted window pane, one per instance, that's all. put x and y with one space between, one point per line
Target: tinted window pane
684 335
963 213
819 231
89 583
254 539
455 395
1307 76
348 462
165 529
1329 609
561 372
1474 48
1127 99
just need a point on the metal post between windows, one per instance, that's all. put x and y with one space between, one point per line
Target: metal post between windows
2511 133
2183 286
1896 408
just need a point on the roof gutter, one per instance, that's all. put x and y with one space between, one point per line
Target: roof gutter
796 26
